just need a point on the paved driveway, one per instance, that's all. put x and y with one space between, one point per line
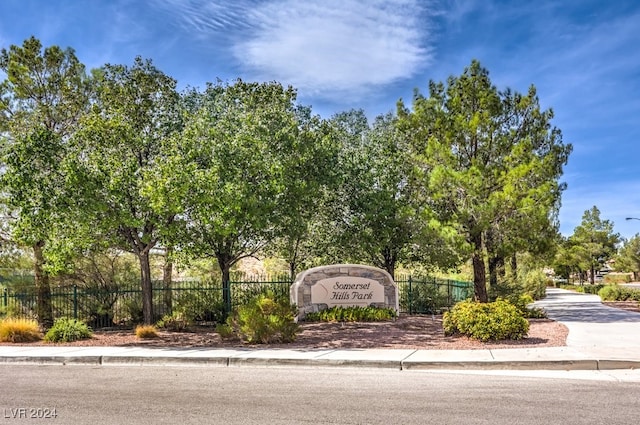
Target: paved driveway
591 324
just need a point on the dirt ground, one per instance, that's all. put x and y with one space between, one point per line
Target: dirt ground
413 332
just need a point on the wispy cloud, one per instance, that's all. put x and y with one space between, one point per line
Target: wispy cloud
328 48
203 18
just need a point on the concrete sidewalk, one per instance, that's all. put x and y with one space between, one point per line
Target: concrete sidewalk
600 338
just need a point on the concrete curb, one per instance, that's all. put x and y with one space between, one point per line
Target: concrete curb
265 361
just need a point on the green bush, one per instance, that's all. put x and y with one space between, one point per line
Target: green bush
522 304
173 322
265 319
619 293
534 283
352 314
200 305
583 289
486 321
68 330
132 311
226 331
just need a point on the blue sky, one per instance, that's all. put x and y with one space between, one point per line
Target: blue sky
582 55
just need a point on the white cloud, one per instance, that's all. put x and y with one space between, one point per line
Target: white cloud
326 48
332 47
202 18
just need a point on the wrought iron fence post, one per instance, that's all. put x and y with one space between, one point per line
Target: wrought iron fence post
410 296
5 297
75 302
226 296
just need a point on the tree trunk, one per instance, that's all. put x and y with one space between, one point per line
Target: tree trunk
514 267
496 260
292 270
44 309
479 271
147 288
167 273
224 261
592 278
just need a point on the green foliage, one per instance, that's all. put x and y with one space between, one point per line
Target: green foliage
128 134
173 322
489 162
522 303
530 285
352 314
265 320
583 289
226 331
486 321
131 311
628 258
199 305
19 330
593 243
68 330
104 276
619 293
534 283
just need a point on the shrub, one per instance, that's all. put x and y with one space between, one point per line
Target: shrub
618 293
265 320
200 305
534 283
584 289
486 321
226 331
522 302
132 311
68 330
351 314
174 322
19 330
146 332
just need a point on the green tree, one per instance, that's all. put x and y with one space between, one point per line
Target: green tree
489 161
308 176
246 163
628 258
128 135
41 100
377 217
596 241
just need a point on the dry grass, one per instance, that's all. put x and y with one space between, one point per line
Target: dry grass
146 332
19 330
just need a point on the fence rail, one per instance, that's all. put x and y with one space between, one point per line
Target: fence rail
202 302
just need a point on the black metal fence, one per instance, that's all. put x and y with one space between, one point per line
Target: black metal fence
427 294
202 302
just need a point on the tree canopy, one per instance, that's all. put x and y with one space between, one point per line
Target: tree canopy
490 162
119 160
44 95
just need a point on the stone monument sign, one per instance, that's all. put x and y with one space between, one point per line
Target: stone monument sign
343 285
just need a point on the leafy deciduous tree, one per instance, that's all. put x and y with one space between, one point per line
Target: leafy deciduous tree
126 137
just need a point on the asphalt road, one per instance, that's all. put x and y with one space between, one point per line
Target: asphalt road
177 395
